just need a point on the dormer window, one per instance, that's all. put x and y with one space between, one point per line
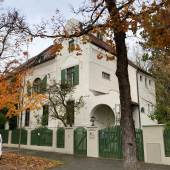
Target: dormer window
71 45
100 36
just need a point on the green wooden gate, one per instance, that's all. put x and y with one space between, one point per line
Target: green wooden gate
167 142
41 137
4 134
110 143
80 141
139 143
15 136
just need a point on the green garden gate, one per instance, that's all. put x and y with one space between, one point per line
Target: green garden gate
4 134
41 137
15 136
80 141
167 142
110 143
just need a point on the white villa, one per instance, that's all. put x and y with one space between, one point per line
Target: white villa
95 80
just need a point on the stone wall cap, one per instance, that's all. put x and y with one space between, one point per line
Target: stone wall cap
158 125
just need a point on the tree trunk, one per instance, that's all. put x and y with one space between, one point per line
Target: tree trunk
127 124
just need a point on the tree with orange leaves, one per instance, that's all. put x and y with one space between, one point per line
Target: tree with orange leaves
12 93
157 41
16 99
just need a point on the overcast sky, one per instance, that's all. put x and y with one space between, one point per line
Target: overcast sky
36 10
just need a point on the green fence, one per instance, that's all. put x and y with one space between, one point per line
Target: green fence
139 143
60 137
110 143
4 134
80 141
41 137
167 142
15 136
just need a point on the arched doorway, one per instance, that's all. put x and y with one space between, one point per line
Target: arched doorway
104 116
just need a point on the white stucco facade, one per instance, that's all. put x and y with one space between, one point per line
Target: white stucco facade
100 95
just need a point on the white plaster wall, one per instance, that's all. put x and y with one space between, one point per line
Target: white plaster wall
146 96
153 138
133 83
97 66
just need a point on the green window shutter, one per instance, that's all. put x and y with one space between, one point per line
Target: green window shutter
44 84
63 76
76 75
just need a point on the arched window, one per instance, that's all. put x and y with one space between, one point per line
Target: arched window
37 85
27 117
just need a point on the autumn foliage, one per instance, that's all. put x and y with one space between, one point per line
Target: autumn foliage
14 97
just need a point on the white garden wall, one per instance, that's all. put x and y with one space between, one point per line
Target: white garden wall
154 145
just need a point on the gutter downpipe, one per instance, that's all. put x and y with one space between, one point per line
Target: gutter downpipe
138 99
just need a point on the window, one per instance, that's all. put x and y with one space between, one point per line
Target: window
141 78
44 84
99 36
45 115
37 85
150 82
13 123
105 76
149 108
146 85
142 110
70 75
70 112
27 117
71 46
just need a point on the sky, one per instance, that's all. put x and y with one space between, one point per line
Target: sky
36 10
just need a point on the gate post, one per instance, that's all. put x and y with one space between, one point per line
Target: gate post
54 138
92 142
69 140
28 137
9 136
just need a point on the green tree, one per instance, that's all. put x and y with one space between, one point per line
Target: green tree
161 71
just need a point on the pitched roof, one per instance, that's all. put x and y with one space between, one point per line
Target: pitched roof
50 53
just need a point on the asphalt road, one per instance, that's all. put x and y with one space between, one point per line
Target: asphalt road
71 162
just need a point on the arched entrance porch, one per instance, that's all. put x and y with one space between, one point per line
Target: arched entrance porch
103 116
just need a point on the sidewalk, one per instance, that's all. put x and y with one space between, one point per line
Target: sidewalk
72 162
